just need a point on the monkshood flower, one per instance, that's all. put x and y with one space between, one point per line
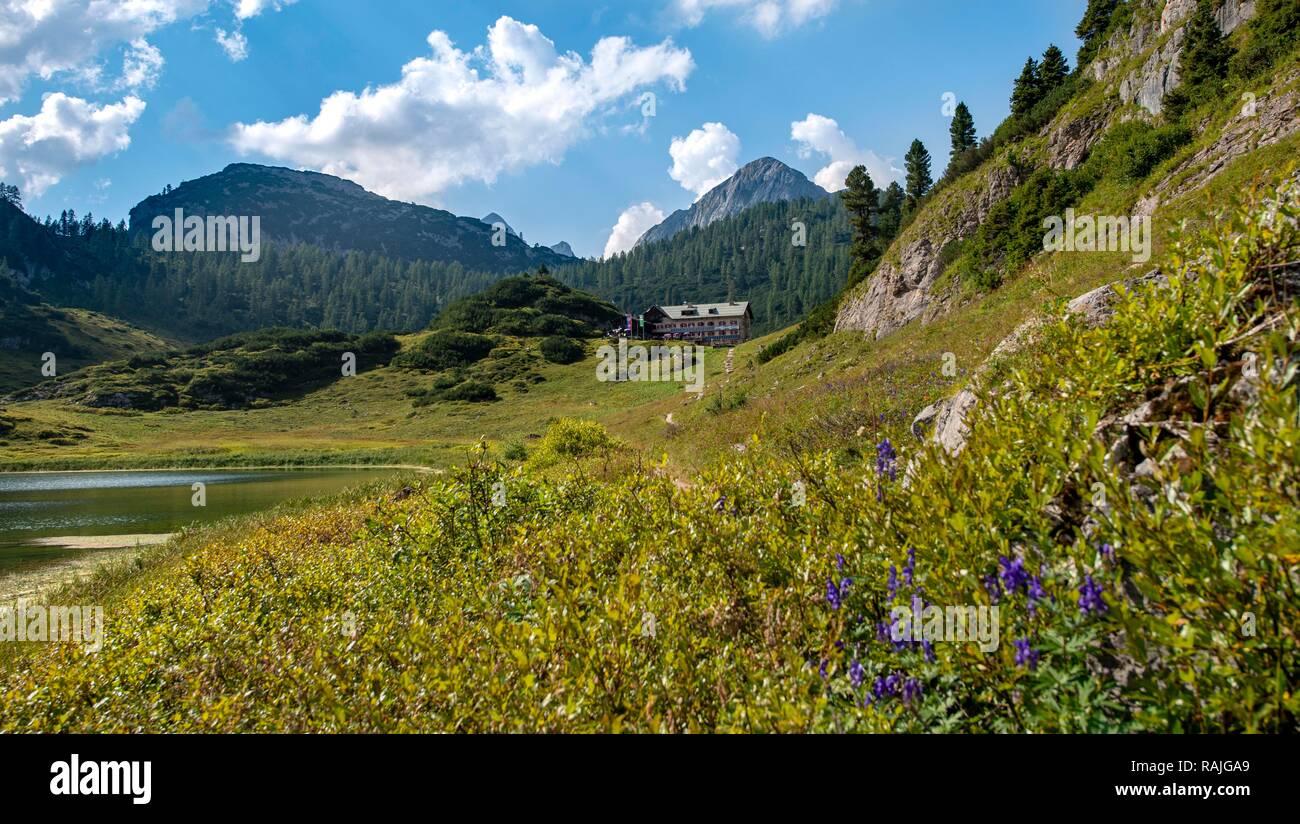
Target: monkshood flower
1026 656
839 562
928 648
856 673
992 587
1036 593
910 566
1108 552
911 691
893 581
886 460
1013 574
822 669
1090 597
835 595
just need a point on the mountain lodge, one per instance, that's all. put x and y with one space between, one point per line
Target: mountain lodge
715 324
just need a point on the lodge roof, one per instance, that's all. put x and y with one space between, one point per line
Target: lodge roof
734 309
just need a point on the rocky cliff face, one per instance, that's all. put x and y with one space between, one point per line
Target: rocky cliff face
1148 84
766 180
901 288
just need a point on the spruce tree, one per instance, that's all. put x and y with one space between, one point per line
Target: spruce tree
1205 55
861 199
961 130
1053 70
917 162
1027 90
891 212
1093 27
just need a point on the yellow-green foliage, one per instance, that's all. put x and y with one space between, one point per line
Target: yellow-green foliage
569 439
755 598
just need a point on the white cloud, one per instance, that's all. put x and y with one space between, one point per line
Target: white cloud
817 134
456 116
67 132
633 223
770 18
244 9
45 38
141 65
234 43
704 158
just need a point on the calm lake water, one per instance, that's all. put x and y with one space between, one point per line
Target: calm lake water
54 525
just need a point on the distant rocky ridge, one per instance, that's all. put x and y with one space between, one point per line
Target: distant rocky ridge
765 180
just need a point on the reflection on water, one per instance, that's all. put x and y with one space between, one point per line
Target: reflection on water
81 505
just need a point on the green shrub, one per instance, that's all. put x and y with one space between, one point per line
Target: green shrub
562 350
571 439
472 390
1129 151
447 349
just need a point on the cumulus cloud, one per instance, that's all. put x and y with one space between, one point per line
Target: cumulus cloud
67 132
141 65
770 18
633 223
244 9
51 37
704 158
233 43
456 116
821 135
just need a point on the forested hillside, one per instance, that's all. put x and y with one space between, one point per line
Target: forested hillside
196 296
752 256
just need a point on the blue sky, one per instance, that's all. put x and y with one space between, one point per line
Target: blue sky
556 146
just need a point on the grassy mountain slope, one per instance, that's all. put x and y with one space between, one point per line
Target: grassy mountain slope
77 337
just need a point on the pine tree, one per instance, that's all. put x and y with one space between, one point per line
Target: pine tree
961 130
1028 90
917 162
1093 27
1053 70
861 199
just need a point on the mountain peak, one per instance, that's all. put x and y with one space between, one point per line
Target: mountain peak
492 218
765 180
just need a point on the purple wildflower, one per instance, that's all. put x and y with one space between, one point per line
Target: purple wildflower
856 673
910 567
1090 597
893 582
839 562
993 588
1013 574
911 691
886 460
832 594
822 669
1026 656
1108 552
